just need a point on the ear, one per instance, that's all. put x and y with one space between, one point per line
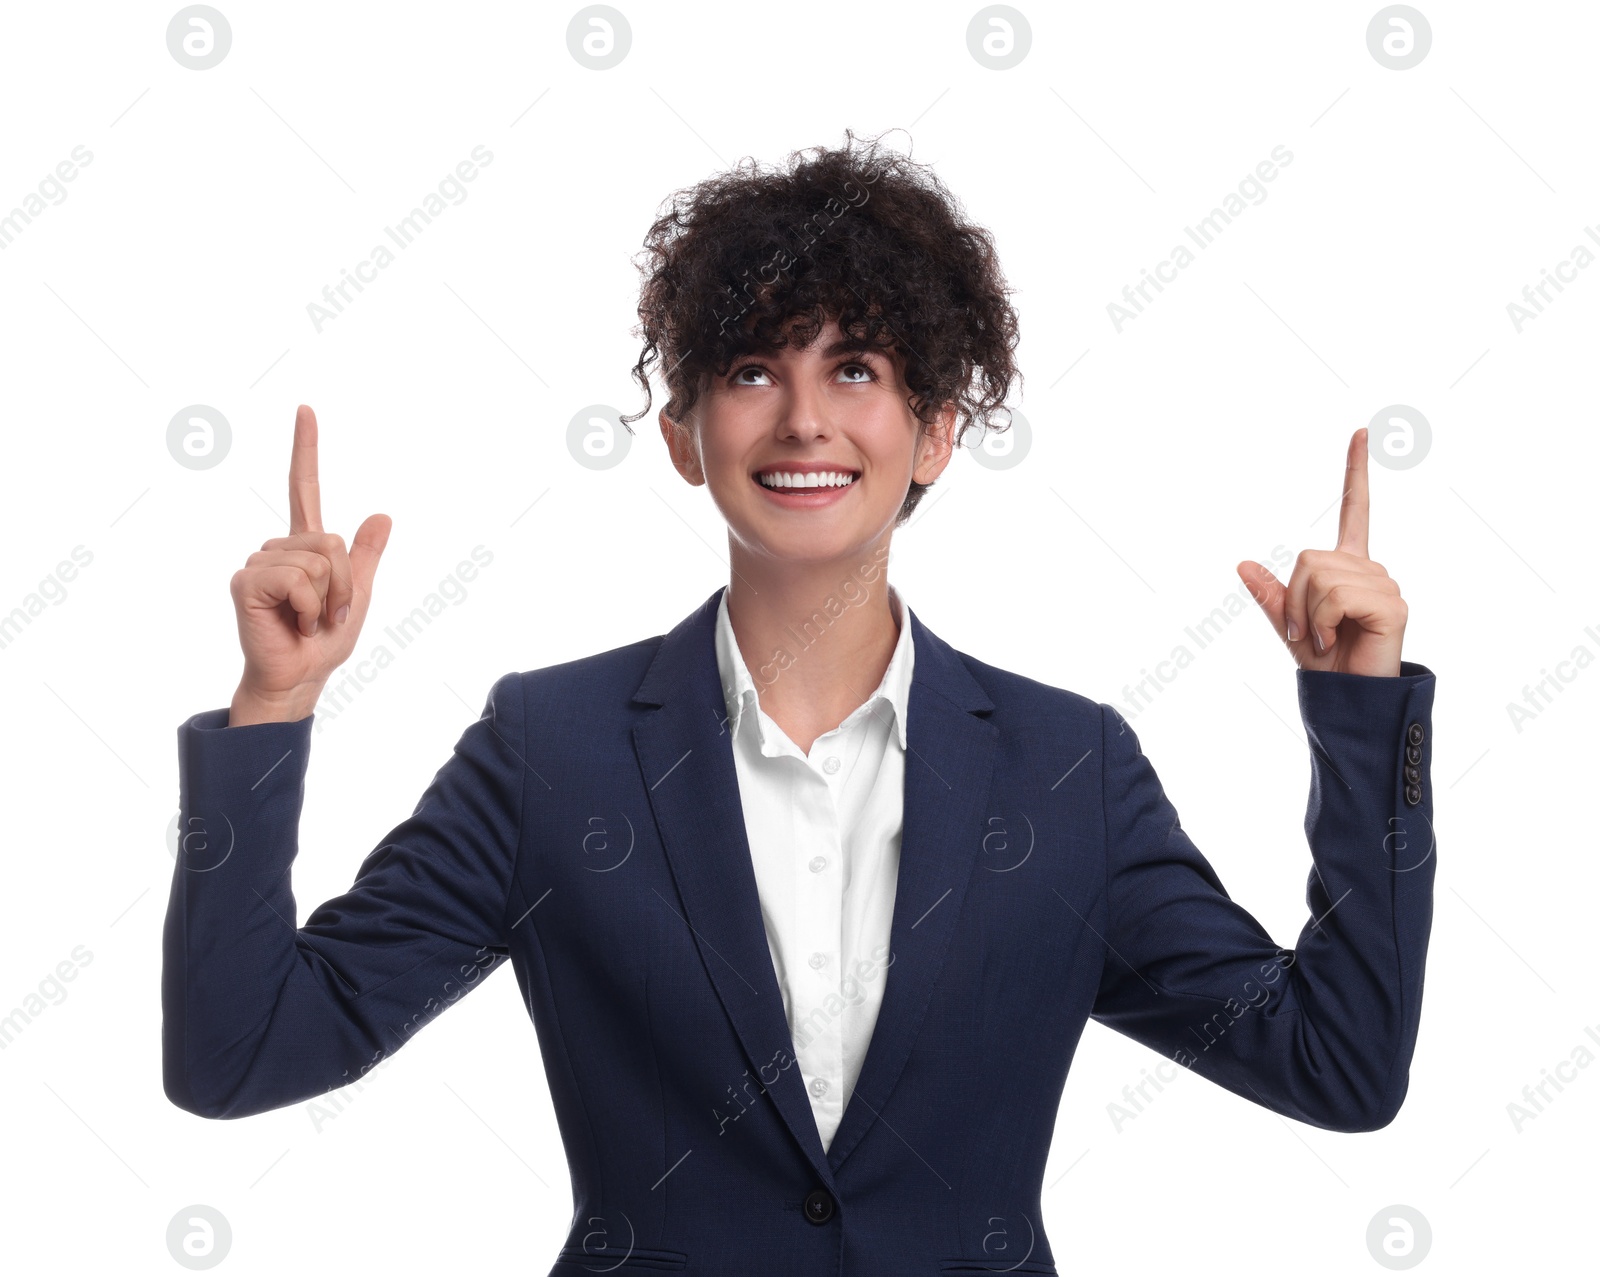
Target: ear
934 445
684 449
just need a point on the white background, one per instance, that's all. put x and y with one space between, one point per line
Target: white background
1377 271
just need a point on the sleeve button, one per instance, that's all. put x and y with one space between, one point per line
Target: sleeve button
1414 733
1413 794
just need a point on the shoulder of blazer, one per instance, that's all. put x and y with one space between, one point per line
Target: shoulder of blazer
1019 697
607 677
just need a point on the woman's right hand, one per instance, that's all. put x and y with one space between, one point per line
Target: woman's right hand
300 599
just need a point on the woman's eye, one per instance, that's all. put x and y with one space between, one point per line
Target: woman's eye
738 376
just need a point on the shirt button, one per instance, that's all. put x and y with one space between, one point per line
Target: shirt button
818 864
819 960
830 765
819 1087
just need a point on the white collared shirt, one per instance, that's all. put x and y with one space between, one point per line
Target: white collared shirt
824 831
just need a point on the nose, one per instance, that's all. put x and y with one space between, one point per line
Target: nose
806 414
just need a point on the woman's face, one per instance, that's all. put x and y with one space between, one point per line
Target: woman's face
817 417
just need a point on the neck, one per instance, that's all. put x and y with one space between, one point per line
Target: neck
816 637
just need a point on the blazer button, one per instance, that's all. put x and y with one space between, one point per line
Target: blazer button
1414 733
1413 794
1414 754
1413 774
819 1206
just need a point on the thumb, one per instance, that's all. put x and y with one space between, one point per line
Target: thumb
365 551
1267 591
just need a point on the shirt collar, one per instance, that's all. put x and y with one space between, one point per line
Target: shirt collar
739 688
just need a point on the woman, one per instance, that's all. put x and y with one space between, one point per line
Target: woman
808 908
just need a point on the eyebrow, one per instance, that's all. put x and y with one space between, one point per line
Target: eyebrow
842 346
853 346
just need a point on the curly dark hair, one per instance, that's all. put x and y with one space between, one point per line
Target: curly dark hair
752 258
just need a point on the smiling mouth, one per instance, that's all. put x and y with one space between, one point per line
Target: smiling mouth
784 481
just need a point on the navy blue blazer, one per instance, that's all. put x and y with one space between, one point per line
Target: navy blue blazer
588 829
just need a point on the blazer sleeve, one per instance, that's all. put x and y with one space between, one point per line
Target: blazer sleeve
257 1013
1323 1032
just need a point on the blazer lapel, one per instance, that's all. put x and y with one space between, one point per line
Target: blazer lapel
686 756
949 768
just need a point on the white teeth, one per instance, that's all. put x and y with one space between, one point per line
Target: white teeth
825 479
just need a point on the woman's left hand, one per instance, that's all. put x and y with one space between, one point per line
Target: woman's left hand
1340 610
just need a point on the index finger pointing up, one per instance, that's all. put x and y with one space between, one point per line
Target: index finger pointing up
305 497
1353 510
